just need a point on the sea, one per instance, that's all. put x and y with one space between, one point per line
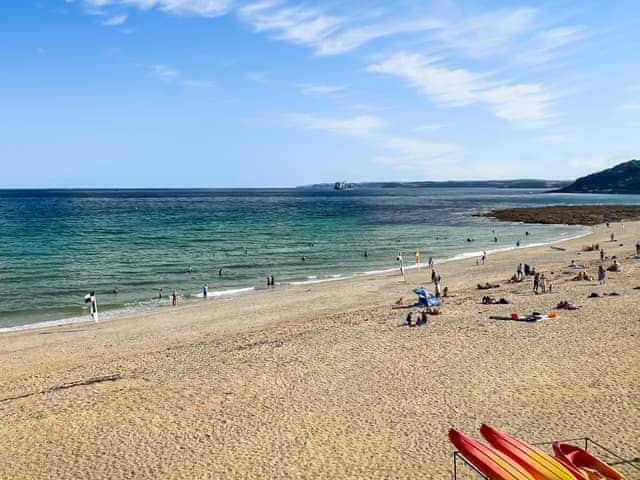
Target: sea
134 247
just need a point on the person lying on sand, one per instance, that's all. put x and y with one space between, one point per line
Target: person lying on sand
576 265
515 279
487 300
602 295
487 286
564 305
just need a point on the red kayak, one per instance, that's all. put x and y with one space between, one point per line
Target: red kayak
538 463
593 468
489 461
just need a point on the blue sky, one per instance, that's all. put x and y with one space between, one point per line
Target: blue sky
215 93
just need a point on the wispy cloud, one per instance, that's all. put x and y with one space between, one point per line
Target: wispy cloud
550 138
409 154
547 45
296 24
461 87
486 34
429 127
163 71
362 126
401 153
115 20
174 76
258 77
328 34
320 89
199 8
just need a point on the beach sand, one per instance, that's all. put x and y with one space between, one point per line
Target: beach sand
325 381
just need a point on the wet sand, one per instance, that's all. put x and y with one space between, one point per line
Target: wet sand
325 381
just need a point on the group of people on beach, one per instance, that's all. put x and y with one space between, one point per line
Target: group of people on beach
522 270
420 318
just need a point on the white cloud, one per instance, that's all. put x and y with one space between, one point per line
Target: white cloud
320 89
363 126
163 71
460 87
200 8
352 38
293 24
115 20
327 34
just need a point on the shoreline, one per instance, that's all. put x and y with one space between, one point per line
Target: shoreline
196 299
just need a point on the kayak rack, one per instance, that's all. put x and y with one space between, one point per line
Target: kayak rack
613 459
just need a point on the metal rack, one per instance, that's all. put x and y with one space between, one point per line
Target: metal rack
615 460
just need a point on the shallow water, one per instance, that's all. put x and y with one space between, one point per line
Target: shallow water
59 244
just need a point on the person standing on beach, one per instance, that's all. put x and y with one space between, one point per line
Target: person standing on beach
638 247
205 291
174 298
273 281
520 271
536 283
93 307
431 264
602 275
484 257
401 262
518 243
602 254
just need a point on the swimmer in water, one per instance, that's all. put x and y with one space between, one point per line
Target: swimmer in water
221 272
366 253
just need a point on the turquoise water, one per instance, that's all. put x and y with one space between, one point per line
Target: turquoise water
59 244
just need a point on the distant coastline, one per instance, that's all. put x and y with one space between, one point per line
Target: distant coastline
518 183
568 214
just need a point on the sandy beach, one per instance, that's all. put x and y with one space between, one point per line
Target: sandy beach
326 381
